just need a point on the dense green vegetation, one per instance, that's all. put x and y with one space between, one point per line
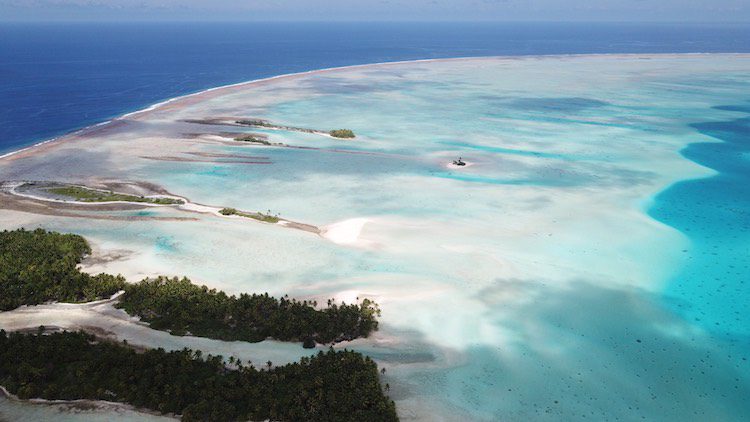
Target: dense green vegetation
181 307
342 133
336 133
253 139
82 194
267 218
255 122
332 386
39 266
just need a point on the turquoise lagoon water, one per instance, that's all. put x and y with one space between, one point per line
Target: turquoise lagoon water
714 212
589 265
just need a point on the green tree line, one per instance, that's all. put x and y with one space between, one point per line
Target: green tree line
84 194
40 266
181 307
331 386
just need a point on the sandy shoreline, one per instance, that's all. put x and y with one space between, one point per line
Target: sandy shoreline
346 232
199 96
86 405
102 319
10 195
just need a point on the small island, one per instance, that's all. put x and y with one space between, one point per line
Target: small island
254 138
181 307
64 192
266 218
60 197
83 194
265 124
342 133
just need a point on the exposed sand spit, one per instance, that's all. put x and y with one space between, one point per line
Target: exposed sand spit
346 232
103 319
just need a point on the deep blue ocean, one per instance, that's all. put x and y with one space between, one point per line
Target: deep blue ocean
55 78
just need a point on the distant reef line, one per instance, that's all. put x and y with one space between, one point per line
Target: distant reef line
195 97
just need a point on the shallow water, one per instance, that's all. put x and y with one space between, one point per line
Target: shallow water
577 269
64 76
11 410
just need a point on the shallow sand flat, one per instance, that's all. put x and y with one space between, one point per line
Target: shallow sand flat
524 287
103 319
13 410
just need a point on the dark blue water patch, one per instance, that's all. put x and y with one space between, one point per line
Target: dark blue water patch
713 289
58 77
741 108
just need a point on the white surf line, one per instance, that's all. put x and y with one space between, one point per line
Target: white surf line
38 144
155 106
357 66
398 62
